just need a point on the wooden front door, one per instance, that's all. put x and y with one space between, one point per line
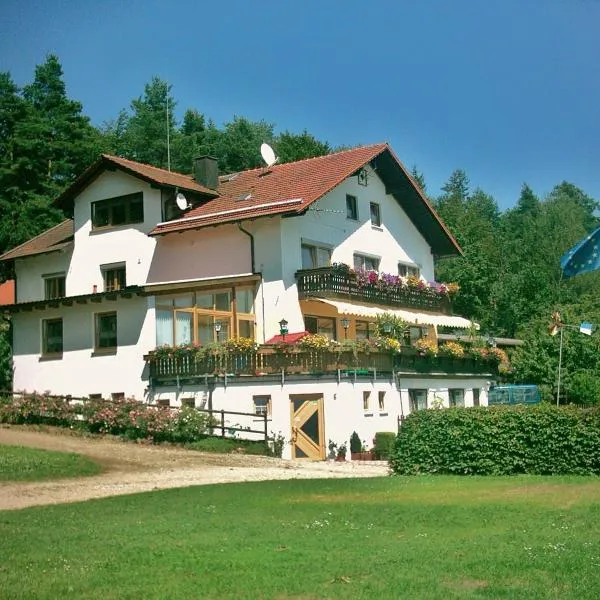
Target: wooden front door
308 438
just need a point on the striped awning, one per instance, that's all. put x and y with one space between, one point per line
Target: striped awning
410 316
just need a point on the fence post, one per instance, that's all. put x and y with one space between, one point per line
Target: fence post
222 423
266 431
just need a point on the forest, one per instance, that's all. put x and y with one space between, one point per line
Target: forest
510 277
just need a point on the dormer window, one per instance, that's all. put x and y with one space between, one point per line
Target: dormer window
54 286
121 210
114 277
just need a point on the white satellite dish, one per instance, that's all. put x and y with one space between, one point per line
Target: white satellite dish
268 155
181 201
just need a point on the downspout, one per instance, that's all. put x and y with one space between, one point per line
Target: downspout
251 246
253 268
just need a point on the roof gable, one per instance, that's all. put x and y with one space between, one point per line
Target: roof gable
56 238
148 173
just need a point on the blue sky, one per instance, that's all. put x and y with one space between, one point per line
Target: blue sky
508 90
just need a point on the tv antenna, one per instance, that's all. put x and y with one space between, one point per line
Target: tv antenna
168 136
268 155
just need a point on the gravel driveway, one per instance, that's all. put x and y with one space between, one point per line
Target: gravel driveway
129 468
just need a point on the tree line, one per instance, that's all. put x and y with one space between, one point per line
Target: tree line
510 276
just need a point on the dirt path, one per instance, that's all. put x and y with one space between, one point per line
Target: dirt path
130 468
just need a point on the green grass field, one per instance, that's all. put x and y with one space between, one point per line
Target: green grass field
425 537
30 464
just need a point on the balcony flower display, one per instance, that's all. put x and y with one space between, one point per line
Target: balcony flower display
452 350
386 282
426 347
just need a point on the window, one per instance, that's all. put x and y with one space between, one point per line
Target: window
163 402
381 400
314 256
322 325
414 333
117 396
366 400
122 210
188 403
457 397
475 396
367 263
114 278
262 405
54 286
364 330
52 337
351 208
375 214
106 330
417 399
405 270
95 396
209 315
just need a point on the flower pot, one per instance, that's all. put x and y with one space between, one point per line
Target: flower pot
340 458
361 456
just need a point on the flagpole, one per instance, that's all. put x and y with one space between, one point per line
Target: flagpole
559 366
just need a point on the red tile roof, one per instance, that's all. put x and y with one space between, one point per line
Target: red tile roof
286 188
57 237
289 338
154 175
7 292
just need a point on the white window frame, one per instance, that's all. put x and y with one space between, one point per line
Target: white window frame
363 258
408 270
373 224
315 248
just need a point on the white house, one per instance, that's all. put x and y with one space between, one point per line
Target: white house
132 271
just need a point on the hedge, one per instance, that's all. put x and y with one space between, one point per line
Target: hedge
384 444
542 440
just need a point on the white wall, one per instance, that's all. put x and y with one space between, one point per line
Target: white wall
397 240
30 272
343 403
127 243
78 372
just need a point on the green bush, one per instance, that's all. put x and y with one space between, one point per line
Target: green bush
501 440
584 388
384 444
37 409
355 444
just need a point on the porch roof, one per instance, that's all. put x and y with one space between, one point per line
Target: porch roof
419 318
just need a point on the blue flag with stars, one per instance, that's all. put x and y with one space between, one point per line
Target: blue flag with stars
584 257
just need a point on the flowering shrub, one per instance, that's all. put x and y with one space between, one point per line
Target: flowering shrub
37 408
129 418
426 347
478 353
452 349
497 355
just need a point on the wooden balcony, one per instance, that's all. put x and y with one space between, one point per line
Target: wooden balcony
335 283
268 361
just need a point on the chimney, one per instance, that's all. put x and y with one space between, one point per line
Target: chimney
206 171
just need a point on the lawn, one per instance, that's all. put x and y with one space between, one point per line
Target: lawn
30 464
417 538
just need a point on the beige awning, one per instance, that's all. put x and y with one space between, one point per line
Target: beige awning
410 316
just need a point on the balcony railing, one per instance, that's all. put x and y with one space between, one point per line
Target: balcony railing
330 282
268 360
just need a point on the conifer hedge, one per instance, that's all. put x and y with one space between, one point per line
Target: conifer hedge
542 440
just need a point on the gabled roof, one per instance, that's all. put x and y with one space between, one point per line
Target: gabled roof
153 175
56 238
289 189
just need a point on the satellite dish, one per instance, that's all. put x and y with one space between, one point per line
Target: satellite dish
268 155
181 201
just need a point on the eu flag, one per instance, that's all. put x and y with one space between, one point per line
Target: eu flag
584 257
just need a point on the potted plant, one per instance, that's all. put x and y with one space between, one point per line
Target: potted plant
357 448
341 452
